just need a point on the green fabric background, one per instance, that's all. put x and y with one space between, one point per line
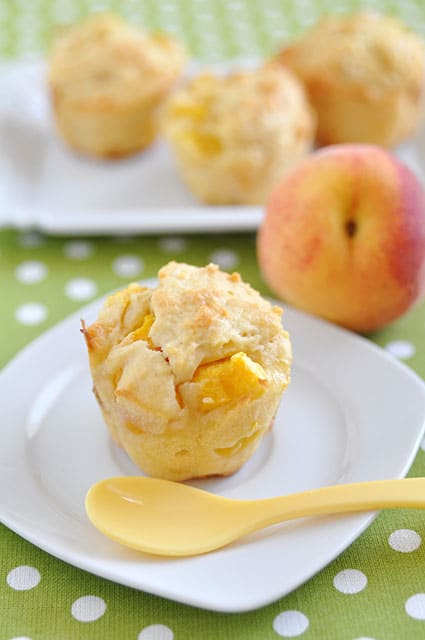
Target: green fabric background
213 30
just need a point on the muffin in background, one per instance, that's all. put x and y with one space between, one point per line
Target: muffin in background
107 81
234 136
364 75
189 374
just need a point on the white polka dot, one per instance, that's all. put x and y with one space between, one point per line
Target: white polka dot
156 632
78 250
31 272
80 289
225 258
401 349
415 606
23 578
290 624
404 540
350 581
127 266
31 313
88 608
30 239
21 638
173 245
364 638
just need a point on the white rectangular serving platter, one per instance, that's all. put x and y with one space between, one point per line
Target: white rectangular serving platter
46 186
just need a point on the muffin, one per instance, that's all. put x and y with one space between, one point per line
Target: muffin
234 136
364 75
189 374
107 81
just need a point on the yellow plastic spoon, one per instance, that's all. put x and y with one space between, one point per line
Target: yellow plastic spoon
171 519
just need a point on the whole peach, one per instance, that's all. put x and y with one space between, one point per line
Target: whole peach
343 237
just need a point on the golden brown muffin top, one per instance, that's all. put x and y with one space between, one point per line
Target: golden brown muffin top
248 108
364 48
196 315
106 58
203 314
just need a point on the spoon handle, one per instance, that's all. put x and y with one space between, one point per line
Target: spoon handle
344 498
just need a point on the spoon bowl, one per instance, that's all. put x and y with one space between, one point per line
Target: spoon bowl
172 519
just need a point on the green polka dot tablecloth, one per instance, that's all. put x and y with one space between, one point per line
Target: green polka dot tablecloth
375 590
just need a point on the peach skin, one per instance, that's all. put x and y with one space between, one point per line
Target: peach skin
343 237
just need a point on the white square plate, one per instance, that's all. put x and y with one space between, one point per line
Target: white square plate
45 185
351 413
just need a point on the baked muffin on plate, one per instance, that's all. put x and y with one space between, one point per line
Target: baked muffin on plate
189 374
234 136
364 75
107 81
